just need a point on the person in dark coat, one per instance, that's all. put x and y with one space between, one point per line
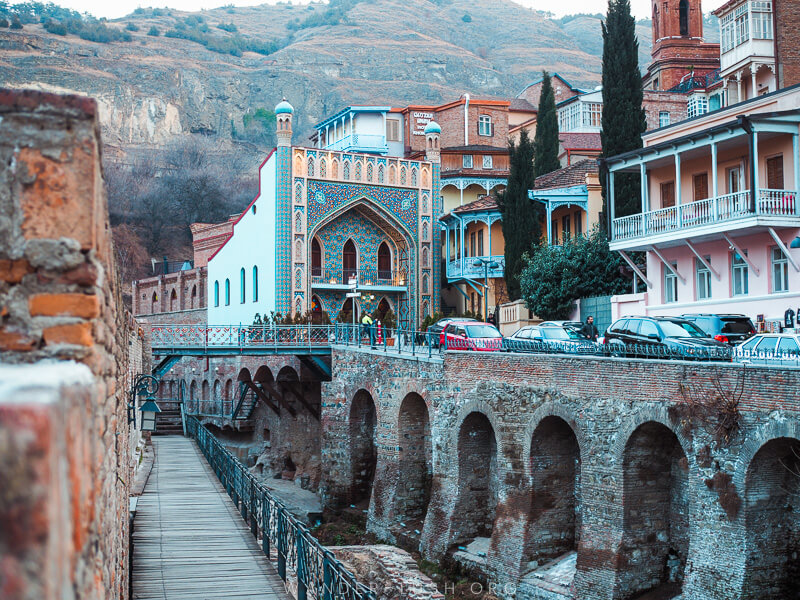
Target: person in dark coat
589 331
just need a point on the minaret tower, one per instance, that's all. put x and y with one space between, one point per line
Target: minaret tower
283 115
678 46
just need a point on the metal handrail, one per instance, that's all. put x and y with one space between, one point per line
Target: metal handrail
317 573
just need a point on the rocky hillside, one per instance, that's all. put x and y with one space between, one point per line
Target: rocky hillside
320 56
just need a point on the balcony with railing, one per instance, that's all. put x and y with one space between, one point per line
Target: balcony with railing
472 267
709 216
360 142
370 279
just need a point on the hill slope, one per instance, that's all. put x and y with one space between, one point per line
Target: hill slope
351 51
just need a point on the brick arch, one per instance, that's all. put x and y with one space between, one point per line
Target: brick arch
362 426
470 407
651 413
263 374
415 460
755 440
554 408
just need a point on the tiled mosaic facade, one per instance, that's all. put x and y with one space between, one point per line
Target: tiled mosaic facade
336 196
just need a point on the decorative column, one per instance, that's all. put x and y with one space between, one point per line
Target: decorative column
283 235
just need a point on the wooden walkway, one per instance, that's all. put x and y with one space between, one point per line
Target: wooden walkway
189 540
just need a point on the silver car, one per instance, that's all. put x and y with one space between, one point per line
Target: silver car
770 349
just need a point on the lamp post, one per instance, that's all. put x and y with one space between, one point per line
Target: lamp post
147 386
487 264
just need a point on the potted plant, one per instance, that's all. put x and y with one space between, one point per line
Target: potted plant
389 323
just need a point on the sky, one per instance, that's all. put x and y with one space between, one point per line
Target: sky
120 8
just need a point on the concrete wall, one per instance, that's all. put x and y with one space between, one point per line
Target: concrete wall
64 437
562 450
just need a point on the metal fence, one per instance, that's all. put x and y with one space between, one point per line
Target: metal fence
301 559
240 336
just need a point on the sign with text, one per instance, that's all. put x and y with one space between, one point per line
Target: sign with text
419 121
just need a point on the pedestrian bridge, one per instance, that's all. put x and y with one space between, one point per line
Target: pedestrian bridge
206 528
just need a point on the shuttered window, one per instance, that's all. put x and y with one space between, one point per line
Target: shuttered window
775 172
668 194
701 186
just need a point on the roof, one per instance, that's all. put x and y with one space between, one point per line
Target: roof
481 204
522 105
581 141
553 76
570 176
348 109
725 7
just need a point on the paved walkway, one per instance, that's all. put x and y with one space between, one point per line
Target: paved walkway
189 540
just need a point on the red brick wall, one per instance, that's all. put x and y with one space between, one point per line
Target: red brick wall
64 503
560 90
208 238
656 102
787 24
190 293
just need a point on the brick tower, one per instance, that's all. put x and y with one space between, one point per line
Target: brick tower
678 46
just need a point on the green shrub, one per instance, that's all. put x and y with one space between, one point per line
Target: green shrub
131 26
229 27
154 31
55 28
466 18
15 23
4 22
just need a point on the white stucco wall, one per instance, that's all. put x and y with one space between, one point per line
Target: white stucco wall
252 244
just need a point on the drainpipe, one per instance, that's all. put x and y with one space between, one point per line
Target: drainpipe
744 123
466 120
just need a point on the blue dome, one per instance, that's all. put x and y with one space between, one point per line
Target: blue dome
284 107
433 127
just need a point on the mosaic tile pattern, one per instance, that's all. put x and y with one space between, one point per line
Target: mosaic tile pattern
324 197
366 235
283 237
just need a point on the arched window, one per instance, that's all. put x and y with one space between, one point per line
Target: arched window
425 178
173 301
683 13
154 303
370 169
298 193
323 168
402 175
316 259
298 222
255 284
656 35
358 170
425 206
298 165
346 170
334 169
384 261
241 286
392 175
194 296
425 285
424 230
310 166
414 177
381 174
426 259
298 250
216 293
298 307
349 261
227 292
298 279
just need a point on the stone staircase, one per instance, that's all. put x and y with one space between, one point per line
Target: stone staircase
168 421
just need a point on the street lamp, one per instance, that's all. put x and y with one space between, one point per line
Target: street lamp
487 263
147 386
149 410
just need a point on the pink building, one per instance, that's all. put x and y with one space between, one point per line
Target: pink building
720 218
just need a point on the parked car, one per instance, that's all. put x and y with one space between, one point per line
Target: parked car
667 337
471 335
436 329
573 325
730 329
778 349
550 338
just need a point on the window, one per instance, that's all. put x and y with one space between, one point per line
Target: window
697 105
392 130
349 261
647 329
663 118
316 259
787 347
487 161
565 227
667 194
554 230
703 279
700 185
480 243
472 244
227 292
780 271
466 161
683 16
384 261
216 293
670 284
762 19
255 284
578 223
485 125
733 177
738 275
775 172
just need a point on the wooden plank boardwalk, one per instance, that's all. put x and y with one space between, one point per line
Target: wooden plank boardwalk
189 539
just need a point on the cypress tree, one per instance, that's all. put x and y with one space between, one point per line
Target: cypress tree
545 142
521 228
623 115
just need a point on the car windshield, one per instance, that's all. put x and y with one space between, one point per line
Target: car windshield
482 331
678 329
555 333
737 326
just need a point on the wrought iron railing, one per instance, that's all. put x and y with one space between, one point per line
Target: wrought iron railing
364 277
301 559
240 336
704 212
466 267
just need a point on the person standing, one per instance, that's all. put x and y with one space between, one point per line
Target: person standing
367 325
589 331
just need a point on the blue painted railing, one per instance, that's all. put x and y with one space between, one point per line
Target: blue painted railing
316 571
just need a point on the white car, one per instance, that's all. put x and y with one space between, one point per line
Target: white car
770 349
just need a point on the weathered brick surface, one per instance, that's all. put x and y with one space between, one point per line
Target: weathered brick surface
177 298
64 446
600 455
787 23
